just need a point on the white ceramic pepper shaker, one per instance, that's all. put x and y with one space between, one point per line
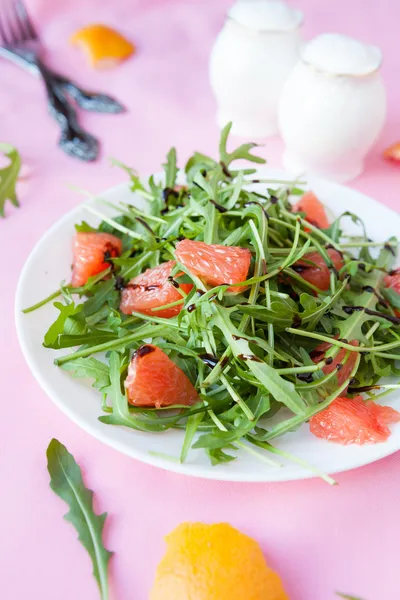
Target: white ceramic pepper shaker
332 107
251 59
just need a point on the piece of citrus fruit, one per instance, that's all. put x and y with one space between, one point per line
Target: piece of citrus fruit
214 562
354 421
339 363
314 210
155 380
153 289
215 264
319 274
104 46
393 153
393 281
91 250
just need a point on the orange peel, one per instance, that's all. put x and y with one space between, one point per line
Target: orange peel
105 47
214 562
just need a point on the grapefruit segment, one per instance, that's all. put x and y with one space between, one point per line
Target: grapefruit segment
215 264
354 421
319 274
154 380
393 281
153 289
313 209
90 253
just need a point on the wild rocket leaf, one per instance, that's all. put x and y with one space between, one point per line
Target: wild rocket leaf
57 328
9 176
171 169
66 481
346 596
90 368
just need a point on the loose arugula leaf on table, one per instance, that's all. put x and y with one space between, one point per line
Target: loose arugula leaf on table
346 596
9 177
66 481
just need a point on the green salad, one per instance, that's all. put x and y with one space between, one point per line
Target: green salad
312 319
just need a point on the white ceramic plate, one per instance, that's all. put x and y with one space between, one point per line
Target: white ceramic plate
50 262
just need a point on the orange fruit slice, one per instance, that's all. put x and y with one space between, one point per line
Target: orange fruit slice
318 275
393 153
354 421
104 46
152 289
214 562
313 209
215 264
155 380
90 253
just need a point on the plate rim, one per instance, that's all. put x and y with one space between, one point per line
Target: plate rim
217 473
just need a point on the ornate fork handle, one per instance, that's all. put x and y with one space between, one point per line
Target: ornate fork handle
91 101
87 100
74 140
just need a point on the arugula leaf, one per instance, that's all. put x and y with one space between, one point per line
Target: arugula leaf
171 169
92 369
9 177
346 596
66 481
57 328
242 152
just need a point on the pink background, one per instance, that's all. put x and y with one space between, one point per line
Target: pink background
321 539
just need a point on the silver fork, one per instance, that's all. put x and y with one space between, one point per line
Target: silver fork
19 39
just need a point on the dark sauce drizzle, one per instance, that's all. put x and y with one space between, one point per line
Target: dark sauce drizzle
173 282
145 225
390 249
119 283
258 204
219 207
252 357
371 290
225 169
306 377
374 313
143 350
209 359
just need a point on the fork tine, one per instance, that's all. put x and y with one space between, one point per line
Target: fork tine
24 16
3 31
16 24
10 35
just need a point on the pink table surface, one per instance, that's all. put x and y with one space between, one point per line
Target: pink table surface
321 539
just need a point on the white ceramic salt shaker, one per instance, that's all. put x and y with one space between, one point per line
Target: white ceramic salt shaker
332 107
251 59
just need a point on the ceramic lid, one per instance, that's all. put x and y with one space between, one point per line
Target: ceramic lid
341 55
266 15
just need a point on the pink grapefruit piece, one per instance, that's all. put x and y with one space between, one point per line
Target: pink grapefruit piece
153 289
215 264
314 210
91 251
354 421
319 274
154 380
